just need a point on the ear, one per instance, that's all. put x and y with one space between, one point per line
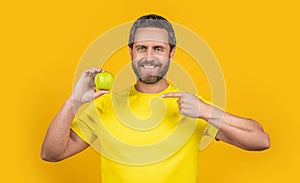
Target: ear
172 53
130 52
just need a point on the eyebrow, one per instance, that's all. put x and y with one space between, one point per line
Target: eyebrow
159 46
155 46
140 45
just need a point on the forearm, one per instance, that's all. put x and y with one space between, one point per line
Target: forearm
241 132
58 133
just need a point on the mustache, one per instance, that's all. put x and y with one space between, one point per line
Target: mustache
152 61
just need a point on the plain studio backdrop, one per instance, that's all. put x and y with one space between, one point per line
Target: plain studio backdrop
256 44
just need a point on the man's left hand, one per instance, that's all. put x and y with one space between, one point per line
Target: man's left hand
188 104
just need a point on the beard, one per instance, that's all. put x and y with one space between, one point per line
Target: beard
150 77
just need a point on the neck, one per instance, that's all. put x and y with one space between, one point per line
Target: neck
160 86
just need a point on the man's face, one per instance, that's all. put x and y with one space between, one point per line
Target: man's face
150 54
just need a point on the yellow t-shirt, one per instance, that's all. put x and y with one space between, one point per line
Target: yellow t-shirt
143 138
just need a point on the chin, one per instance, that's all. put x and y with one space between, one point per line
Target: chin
150 79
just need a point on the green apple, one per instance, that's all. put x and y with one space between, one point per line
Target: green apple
104 80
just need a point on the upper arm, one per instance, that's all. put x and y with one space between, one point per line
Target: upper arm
75 145
244 133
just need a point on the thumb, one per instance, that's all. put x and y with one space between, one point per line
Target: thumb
172 95
100 92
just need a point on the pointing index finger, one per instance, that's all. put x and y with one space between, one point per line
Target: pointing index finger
172 95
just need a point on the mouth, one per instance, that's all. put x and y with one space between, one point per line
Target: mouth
149 66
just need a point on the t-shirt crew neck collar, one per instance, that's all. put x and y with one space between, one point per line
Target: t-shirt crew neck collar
134 91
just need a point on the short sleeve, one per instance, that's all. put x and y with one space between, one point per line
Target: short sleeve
83 131
209 131
208 136
85 124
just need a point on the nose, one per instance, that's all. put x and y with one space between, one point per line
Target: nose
150 52
150 55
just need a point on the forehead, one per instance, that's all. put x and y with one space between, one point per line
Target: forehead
151 34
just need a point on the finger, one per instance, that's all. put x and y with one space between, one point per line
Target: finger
100 92
182 112
91 71
172 95
96 71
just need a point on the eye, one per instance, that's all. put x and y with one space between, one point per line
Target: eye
141 48
159 49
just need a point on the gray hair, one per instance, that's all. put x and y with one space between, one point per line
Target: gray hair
155 21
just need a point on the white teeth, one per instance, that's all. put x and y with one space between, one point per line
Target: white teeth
149 67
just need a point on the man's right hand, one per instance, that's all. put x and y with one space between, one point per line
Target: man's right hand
60 141
84 90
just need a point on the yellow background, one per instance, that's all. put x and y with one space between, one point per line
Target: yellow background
256 43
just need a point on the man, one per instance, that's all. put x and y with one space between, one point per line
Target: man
125 116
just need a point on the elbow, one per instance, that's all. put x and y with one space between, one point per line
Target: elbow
49 158
262 144
265 143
